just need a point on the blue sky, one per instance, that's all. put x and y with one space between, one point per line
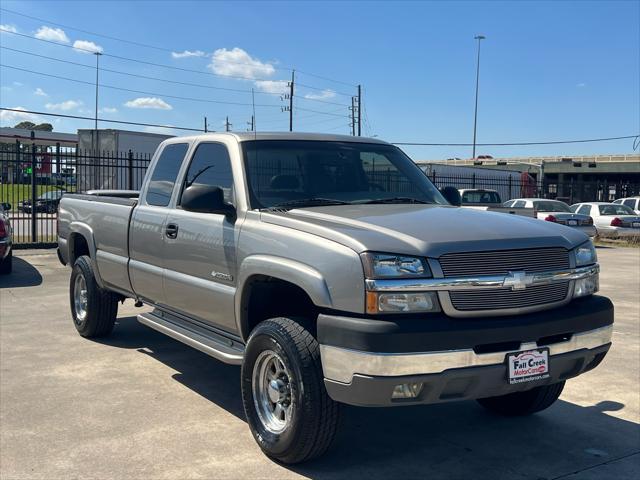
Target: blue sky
549 71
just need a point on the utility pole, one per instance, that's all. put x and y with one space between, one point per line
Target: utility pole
353 116
227 125
97 54
359 110
293 77
252 123
205 124
475 113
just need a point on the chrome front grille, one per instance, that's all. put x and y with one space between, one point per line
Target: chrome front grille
466 300
501 262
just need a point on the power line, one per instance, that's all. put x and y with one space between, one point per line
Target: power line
320 112
555 142
100 119
144 92
155 47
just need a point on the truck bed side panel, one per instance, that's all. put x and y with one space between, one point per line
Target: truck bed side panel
107 221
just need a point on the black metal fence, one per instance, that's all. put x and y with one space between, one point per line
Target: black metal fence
33 179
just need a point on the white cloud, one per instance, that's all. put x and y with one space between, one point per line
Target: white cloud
323 95
580 85
272 86
108 110
18 84
148 102
11 118
5 27
41 93
52 34
85 46
188 53
236 62
64 106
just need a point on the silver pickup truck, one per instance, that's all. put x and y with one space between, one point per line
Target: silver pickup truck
333 271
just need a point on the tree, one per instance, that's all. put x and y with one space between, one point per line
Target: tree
43 127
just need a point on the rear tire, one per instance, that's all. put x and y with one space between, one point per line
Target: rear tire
524 403
6 265
93 309
288 409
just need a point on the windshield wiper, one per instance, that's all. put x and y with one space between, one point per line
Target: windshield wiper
394 200
307 202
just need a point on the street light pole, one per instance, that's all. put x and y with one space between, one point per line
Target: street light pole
97 54
475 114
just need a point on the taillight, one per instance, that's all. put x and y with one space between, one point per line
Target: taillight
551 218
590 221
616 222
3 229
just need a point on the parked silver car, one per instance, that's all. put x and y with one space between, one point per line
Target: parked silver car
611 219
555 211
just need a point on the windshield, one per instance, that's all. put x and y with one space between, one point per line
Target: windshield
304 173
550 206
52 195
480 196
615 210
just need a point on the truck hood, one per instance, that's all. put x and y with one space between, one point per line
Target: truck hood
428 230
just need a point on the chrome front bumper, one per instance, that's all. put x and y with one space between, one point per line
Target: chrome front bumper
342 364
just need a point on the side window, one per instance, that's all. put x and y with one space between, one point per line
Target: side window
211 166
519 204
508 203
584 209
630 202
165 173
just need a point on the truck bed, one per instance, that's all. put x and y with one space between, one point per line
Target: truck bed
104 218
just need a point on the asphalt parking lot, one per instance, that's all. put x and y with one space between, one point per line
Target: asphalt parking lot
141 405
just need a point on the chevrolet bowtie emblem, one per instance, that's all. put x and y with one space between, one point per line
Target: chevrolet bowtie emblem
517 280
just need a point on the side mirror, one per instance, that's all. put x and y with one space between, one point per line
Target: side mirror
206 199
452 195
6 206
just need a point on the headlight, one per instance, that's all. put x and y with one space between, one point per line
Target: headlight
385 265
586 254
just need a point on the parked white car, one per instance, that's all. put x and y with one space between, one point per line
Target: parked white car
611 219
555 211
632 202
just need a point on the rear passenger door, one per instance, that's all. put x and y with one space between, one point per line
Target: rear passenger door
200 260
147 230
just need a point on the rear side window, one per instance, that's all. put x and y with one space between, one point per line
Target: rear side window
630 202
211 166
519 204
584 209
165 173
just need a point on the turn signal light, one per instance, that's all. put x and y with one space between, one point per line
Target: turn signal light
3 229
551 218
616 222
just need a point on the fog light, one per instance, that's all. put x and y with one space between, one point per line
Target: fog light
586 286
406 390
408 302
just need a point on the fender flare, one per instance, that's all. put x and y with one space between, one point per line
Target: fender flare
307 278
85 231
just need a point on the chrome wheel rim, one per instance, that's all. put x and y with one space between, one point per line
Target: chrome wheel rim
271 385
80 298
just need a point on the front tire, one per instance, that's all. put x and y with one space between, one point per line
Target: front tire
287 406
524 403
6 265
94 309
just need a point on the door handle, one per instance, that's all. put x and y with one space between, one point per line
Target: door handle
171 231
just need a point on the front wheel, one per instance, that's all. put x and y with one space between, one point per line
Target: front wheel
524 403
94 309
287 406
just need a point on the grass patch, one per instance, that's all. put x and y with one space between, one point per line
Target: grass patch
14 193
633 242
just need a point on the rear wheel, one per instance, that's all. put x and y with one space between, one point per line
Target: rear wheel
6 265
288 410
524 403
94 309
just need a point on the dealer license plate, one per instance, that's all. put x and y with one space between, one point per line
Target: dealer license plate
572 223
528 366
635 224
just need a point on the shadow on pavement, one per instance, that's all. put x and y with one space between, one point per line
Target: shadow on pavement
437 441
23 275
